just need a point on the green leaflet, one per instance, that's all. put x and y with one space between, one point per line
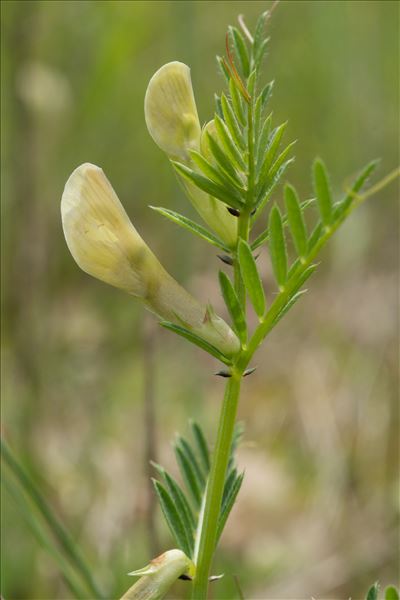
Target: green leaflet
173 519
237 103
262 141
251 278
207 185
228 143
201 445
323 192
220 176
233 306
232 123
373 592
223 69
190 225
225 164
277 246
391 593
227 504
241 50
191 458
193 485
273 145
266 93
263 237
296 220
195 339
179 498
341 208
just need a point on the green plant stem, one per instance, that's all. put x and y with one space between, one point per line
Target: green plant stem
215 486
56 527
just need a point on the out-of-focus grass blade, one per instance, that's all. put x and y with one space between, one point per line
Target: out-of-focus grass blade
190 225
42 536
323 192
251 278
173 518
233 305
277 246
60 533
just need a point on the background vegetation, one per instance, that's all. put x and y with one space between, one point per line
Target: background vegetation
318 511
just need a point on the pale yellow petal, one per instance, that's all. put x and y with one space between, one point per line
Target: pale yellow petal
170 111
98 231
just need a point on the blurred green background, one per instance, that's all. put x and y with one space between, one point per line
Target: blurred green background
318 511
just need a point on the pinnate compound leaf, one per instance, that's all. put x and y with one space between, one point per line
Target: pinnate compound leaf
251 277
207 185
296 220
173 519
195 339
323 192
233 306
277 246
190 225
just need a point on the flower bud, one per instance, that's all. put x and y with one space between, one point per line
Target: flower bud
173 123
105 244
157 578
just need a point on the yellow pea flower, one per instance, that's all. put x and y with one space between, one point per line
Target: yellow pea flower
173 123
105 244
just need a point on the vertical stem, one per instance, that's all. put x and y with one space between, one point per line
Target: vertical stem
215 486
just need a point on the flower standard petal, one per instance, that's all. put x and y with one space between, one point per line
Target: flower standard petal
105 244
170 111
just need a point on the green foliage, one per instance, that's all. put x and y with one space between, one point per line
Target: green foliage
191 226
251 277
196 340
233 305
46 526
183 510
391 593
373 592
